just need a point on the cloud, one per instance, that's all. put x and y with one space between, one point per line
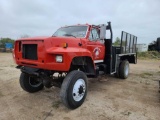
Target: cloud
39 17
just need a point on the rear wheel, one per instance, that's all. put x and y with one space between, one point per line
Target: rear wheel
74 89
30 84
124 69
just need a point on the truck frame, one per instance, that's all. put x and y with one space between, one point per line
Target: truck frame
69 56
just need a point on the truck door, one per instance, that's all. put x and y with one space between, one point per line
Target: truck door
96 46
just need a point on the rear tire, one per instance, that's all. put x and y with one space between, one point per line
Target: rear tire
124 69
74 89
30 84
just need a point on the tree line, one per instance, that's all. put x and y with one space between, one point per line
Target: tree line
5 40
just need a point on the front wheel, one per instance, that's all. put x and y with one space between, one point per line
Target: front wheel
74 89
30 84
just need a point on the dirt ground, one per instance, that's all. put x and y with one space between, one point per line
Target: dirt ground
109 98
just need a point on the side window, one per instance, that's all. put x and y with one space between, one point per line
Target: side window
94 34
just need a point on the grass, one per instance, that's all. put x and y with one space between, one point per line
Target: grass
127 113
56 104
149 55
145 75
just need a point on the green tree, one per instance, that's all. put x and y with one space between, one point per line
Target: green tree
117 42
5 40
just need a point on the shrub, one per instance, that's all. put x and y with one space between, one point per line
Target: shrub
149 55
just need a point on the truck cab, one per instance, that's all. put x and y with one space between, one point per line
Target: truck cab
69 56
89 35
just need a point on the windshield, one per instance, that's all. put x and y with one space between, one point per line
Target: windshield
73 31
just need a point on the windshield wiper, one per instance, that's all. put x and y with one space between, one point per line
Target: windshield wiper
69 35
54 35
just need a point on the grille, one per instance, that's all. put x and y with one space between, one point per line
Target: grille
30 51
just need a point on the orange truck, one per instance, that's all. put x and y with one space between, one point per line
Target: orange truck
70 56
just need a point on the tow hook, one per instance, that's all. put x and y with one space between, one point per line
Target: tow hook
18 67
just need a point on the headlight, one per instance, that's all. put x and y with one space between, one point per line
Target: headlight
59 58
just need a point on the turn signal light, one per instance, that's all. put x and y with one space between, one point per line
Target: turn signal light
64 45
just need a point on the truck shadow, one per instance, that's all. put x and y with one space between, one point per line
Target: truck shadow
102 82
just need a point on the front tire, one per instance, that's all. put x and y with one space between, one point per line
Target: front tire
30 84
74 89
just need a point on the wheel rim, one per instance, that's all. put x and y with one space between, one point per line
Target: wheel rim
79 89
34 82
126 70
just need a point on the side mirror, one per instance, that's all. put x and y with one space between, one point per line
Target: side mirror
102 32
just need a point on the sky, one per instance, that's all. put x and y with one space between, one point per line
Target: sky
43 17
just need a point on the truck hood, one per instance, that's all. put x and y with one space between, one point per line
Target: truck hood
35 38
58 41
48 37
55 41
